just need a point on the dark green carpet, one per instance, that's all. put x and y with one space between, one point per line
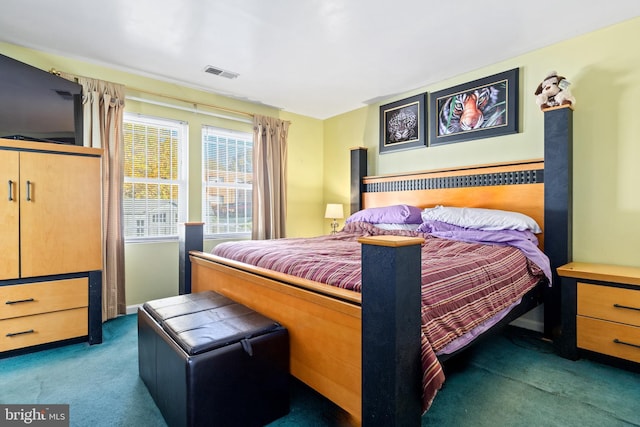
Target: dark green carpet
515 379
512 379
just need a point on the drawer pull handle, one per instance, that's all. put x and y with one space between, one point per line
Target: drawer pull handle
29 191
20 300
626 306
617 341
10 191
13 334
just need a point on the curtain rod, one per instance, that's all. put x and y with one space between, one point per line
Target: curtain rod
189 109
187 101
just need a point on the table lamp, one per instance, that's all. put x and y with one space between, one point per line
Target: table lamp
334 211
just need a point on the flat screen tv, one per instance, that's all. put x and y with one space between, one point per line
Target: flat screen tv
38 106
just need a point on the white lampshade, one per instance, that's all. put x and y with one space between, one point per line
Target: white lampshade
334 211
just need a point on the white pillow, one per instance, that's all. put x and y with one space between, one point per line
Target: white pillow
481 219
407 227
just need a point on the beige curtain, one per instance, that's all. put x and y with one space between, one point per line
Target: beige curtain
103 110
270 177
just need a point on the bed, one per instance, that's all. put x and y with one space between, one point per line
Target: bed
325 321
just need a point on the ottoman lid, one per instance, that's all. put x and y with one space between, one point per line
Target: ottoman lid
207 330
166 308
204 321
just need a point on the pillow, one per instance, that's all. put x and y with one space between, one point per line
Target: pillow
396 214
432 226
406 227
482 219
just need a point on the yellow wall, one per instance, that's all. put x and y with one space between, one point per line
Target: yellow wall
342 133
305 207
604 69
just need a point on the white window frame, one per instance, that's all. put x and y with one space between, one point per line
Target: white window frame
182 178
206 184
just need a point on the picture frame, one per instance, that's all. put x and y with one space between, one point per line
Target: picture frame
482 108
403 124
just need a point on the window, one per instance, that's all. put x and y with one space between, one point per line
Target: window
227 171
154 190
139 227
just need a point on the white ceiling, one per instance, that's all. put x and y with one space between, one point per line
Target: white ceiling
317 58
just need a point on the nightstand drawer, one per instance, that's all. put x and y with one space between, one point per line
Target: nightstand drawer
609 303
43 328
43 297
610 338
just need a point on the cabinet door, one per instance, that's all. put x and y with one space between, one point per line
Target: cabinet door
9 216
60 212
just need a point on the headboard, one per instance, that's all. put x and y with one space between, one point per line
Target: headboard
515 186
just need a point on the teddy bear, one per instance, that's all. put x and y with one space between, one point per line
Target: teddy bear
554 91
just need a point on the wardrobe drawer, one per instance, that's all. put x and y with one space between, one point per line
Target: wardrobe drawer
43 328
610 338
43 297
609 303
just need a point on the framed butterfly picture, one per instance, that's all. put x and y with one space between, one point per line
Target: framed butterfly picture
403 124
481 108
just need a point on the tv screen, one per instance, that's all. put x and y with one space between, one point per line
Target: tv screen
38 106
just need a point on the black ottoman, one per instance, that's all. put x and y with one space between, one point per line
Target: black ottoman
209 361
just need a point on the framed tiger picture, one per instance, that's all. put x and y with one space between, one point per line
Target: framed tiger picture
403 124
481 108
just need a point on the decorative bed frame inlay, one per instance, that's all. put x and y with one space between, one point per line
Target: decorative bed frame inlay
476 180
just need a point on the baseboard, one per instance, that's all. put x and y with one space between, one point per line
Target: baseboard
133 309
531 324
532 320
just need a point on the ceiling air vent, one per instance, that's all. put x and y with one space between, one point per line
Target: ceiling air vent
220 72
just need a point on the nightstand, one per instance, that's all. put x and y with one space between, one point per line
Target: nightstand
600 313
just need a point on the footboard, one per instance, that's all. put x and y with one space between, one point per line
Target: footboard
324 323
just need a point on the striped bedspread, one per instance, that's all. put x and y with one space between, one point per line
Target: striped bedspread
463 284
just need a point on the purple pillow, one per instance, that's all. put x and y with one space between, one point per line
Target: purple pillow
396 214
433 226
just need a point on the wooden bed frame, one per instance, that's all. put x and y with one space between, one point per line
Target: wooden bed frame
324 322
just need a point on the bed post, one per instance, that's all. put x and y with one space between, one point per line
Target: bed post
558 205
190 238
358 172
391 319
